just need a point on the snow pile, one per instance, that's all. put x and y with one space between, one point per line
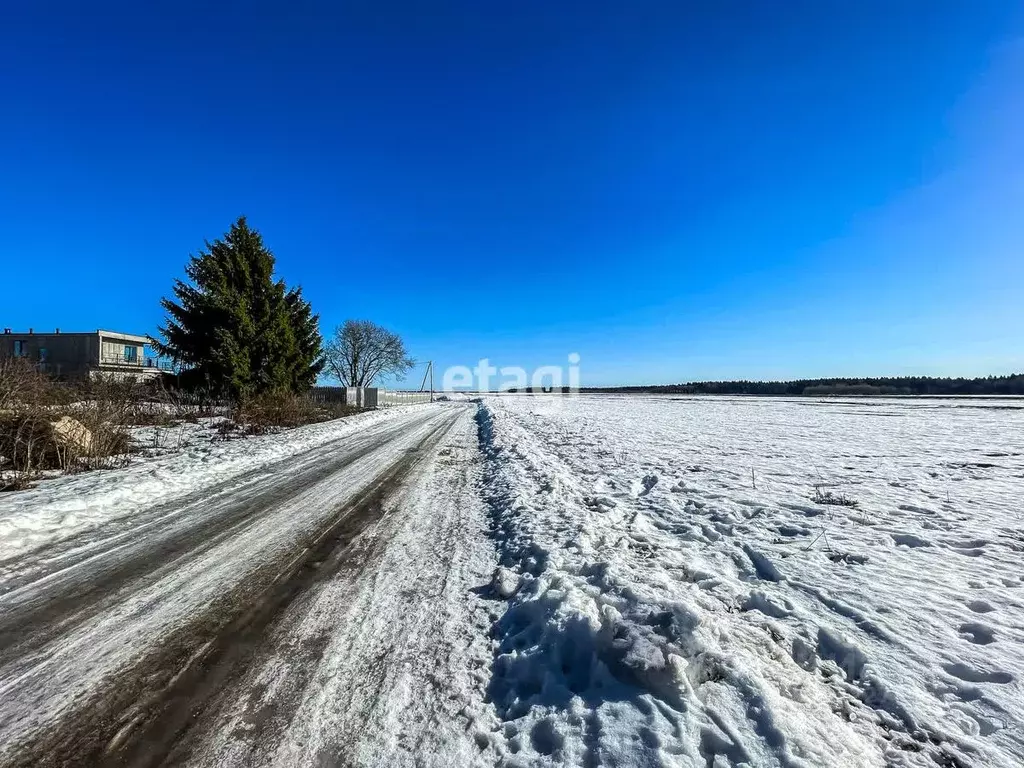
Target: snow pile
188 458
677 597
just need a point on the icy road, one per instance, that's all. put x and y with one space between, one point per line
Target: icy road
235 625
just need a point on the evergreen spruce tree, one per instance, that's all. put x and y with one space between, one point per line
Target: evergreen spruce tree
234 329
307 359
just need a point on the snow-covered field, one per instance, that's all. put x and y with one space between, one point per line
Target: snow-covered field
677 597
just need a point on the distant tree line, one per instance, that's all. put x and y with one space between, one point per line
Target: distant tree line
901 385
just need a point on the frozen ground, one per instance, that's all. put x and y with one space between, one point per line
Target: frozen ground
676 597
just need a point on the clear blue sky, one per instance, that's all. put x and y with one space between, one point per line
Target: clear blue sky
675 191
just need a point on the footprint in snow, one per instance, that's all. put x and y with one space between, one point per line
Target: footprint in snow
601 503
980 606
646 485
909 540
978 633
967 543
971 675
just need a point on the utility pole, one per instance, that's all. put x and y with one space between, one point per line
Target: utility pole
429 372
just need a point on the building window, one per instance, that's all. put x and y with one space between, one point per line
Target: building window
131 354
19 348
42 354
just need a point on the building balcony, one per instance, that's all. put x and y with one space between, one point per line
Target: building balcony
121 361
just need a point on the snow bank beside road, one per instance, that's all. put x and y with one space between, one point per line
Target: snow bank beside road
664 610
61 507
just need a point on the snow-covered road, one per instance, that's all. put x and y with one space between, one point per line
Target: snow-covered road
274 617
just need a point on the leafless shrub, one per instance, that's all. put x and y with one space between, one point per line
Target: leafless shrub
22 385
28 404
274 411
93 430
826 497
198 404
49 425
156 409
15 377
46 425
26 448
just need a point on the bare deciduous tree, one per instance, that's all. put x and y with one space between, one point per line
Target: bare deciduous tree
362 352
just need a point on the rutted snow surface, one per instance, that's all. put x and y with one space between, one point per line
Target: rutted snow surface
78 663
380 667
676 596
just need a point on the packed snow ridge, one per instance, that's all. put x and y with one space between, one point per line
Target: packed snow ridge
676 596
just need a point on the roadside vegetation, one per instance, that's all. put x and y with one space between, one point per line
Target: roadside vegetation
50 427
69 427
262 414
